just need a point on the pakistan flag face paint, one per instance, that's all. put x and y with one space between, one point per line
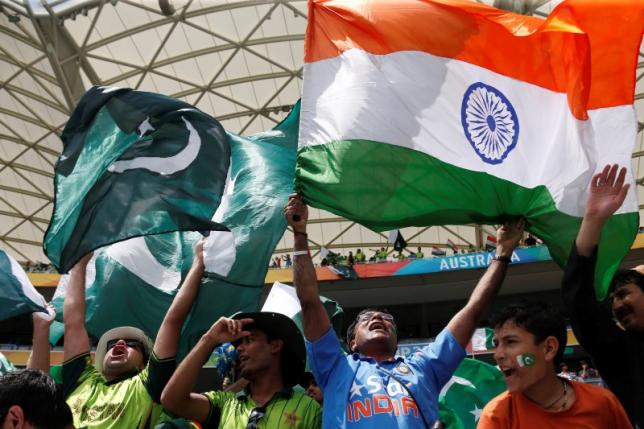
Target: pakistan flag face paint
526 359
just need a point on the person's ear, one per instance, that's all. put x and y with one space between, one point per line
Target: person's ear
276 345
353 346
15 418
550 347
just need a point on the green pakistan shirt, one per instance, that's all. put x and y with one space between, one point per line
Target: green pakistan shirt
132 402
286 410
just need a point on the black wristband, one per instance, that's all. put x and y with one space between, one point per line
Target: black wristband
504 259
300 233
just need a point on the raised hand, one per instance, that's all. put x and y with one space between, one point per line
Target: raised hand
607 192
508 237
42 321
198 259
296 213
226 330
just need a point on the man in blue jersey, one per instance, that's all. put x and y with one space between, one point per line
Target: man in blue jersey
370 388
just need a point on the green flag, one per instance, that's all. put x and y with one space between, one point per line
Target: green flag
133 282
133 163
472 386
5 365
17 294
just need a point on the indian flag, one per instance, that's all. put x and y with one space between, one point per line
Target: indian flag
435 112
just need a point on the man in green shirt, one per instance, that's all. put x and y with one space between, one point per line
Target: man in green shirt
272 358
420 254
360 257
123 388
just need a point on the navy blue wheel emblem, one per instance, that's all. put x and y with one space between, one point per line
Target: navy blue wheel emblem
490 122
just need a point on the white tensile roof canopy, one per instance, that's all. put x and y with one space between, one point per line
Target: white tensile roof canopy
240 61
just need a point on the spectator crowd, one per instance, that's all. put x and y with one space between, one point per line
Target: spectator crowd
134 382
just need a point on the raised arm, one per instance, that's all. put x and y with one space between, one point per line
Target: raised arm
592 322
76 339
167 340
40 351
316 320
464 322
606 195
177 397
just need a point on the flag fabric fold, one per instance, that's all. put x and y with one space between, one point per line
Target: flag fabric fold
283 299
134 281
489 116
133 163
17 294
473 385
436 251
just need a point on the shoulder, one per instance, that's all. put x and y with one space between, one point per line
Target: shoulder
444 347
219 398
499 404
303 400
593 392
497 413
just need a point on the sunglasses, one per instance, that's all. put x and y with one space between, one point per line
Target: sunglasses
364 317
130 343
255 416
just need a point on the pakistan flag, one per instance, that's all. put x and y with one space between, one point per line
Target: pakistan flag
133 163
17 294
134 281
472 386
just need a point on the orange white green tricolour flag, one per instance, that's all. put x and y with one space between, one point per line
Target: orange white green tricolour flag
444 112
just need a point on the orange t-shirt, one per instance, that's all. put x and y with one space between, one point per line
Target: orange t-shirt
594 408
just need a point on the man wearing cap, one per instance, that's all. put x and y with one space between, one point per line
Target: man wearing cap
272 358
123 388
370 388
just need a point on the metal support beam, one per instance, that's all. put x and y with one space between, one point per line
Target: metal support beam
58 45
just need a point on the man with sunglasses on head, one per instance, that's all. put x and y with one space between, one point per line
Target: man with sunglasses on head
371 388
123 387
612 332
272 358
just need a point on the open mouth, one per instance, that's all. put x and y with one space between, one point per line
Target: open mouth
242 360
508 372
623 315
377 325
118 351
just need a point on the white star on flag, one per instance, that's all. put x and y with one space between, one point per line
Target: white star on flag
476 412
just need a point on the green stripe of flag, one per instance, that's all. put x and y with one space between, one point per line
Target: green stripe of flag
384 187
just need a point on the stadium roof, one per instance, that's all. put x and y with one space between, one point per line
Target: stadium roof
240 61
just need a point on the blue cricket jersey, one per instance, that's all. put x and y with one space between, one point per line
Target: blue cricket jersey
359 392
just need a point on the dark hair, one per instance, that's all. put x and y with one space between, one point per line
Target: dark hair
538 318
41 400
351 330
624 277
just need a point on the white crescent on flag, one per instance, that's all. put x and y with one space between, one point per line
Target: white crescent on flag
164 165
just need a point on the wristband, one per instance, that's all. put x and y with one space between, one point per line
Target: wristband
504 259
300 252
300 233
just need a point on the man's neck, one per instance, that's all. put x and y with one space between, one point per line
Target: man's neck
114 378
378 354
264 387
545 391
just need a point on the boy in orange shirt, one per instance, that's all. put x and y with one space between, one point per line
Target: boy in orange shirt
530 339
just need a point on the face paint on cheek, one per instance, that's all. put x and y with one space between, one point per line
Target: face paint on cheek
526 359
